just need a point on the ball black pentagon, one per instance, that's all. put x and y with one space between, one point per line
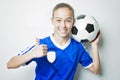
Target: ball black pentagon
90 28
81 17
74 30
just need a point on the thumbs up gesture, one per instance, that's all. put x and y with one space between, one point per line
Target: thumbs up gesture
39 50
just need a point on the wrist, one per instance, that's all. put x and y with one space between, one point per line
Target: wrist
94 45
31 55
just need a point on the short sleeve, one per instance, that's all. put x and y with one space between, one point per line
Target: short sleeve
85 59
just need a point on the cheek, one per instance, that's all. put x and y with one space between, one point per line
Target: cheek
55 24
69 26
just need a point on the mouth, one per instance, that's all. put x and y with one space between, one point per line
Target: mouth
63 31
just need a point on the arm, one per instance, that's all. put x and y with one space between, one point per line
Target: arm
95 68
17 61
37 51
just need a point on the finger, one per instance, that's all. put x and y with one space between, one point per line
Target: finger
45 48
45 51
44 45
37 40
44 54
100 34
97 36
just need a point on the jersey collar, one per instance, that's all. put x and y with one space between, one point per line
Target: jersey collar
57 45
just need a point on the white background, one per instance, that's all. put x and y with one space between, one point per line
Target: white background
21 21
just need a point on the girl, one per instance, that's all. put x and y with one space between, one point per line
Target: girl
68 51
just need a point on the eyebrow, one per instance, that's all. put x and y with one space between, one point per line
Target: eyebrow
66 18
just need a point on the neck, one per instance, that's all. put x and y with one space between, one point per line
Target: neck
60 40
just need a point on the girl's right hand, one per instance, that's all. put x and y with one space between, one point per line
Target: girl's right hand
39 50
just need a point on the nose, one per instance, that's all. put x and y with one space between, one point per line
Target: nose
63 24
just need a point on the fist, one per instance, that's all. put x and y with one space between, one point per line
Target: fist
39 50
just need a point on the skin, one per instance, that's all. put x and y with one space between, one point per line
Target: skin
62 21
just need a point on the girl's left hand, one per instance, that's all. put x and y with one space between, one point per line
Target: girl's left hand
97 39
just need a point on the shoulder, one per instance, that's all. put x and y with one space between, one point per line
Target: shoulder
77 45
44 40
73 41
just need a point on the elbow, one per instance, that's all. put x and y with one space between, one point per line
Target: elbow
10 65
96 71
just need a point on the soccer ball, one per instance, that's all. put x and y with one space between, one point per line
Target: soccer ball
85 29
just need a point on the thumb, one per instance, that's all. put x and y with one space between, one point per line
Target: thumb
37 40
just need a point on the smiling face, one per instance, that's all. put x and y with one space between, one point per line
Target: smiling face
62 21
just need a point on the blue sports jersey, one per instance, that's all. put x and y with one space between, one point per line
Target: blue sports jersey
67 59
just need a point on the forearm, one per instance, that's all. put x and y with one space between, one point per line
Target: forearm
17 61
95 55
96 59
37 52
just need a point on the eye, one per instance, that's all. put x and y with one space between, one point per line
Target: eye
58 20
68 20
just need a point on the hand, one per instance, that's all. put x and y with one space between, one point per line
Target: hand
39 50
96 41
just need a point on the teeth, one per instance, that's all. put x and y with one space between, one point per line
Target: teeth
63 31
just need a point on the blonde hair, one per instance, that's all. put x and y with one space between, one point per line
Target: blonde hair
63 5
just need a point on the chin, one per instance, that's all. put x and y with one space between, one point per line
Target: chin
64 35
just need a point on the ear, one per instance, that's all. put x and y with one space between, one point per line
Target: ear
74 20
